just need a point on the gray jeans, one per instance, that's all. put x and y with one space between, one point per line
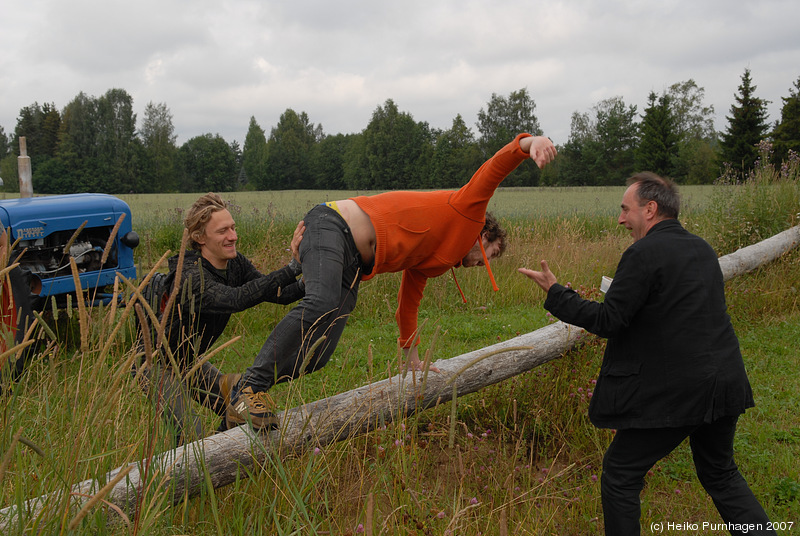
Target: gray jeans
332 271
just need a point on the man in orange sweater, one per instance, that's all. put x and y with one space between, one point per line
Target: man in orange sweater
422 234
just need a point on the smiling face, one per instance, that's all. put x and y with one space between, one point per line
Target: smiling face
634 216
218 243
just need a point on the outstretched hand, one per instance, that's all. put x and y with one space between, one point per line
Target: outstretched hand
541 149
296 239
545 279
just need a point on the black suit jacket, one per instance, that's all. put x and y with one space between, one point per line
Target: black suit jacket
672 357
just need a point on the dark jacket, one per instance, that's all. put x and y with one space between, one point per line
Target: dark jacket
672 357
209 296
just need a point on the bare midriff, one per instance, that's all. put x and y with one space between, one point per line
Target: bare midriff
361 227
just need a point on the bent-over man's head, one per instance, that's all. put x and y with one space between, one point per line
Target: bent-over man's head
493 239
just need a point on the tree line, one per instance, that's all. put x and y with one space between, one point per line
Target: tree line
93 144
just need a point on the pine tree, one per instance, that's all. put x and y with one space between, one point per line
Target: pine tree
747 126
786 135
254 156
658 147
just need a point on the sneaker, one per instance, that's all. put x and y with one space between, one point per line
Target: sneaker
255 408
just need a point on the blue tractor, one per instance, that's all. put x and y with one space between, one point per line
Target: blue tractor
44 234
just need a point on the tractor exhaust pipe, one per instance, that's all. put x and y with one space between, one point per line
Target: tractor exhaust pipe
25 173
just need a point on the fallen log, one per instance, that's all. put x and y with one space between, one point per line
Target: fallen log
751 257
182 472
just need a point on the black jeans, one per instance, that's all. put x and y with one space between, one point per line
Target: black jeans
171 396
634 451
332 273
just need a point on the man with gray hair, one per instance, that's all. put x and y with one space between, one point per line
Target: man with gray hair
672 367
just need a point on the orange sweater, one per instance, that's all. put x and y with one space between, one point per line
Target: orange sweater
424 234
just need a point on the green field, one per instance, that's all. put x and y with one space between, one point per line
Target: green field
507 202
525 460
158 218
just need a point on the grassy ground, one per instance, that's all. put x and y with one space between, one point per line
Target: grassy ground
525 460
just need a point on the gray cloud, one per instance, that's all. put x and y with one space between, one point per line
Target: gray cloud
216 64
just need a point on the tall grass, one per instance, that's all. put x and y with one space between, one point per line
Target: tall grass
525 458
747 209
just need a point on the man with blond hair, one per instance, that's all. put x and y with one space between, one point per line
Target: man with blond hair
216 281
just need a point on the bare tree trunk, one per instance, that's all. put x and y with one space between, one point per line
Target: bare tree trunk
751 257
346 415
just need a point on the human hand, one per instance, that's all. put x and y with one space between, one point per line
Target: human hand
545 279
296 239
412 361
541 149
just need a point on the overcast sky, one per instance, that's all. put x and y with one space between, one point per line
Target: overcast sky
217 63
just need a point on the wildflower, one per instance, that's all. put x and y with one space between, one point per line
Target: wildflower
317 451
473 500
440 515
360 528
594 478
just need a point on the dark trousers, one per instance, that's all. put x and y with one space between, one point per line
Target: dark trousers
634 451
172 395
332 273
